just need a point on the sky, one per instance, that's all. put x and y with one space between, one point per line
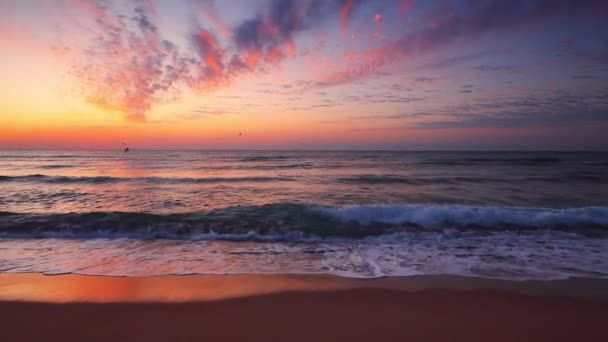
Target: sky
304 74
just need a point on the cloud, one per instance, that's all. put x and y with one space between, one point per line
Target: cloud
498 68
534 109
582 77
268 38
204 112
382 98
512 120
406 6
128 66
209 14
371 129
423 79
451 61
344 15
213 72
394 116
477 18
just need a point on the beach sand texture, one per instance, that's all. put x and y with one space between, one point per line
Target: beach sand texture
291 308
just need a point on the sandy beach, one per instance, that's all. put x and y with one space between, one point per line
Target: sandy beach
298 308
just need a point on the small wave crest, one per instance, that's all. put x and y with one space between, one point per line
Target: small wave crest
506 160
55 166
264 158
396 179
258 167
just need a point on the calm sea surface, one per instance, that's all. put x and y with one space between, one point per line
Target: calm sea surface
357 214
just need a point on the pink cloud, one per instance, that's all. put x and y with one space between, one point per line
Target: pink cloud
344 15
209 14
127 67
445 27
210 52
406 6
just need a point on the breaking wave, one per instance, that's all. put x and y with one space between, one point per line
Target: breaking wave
295 222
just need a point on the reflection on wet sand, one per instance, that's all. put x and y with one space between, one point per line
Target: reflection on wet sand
32 287
74 288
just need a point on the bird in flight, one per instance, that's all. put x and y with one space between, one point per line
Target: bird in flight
240 134
126 150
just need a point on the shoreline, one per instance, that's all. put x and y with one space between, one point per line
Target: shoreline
66 288
35 307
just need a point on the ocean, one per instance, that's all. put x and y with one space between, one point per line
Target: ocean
364 214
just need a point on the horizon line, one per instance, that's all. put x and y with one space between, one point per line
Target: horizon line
312 150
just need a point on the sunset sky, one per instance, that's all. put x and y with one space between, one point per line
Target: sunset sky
309 74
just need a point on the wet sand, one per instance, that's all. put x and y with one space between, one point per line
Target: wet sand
298 308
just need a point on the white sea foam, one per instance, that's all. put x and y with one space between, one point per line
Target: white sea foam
507 255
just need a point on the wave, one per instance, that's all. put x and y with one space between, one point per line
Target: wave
397 179
501 161
263 167
514 160
471 216
160 180
295 222
264 158
56 166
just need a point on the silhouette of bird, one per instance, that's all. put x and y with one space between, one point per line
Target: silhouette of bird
126 150
240 134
